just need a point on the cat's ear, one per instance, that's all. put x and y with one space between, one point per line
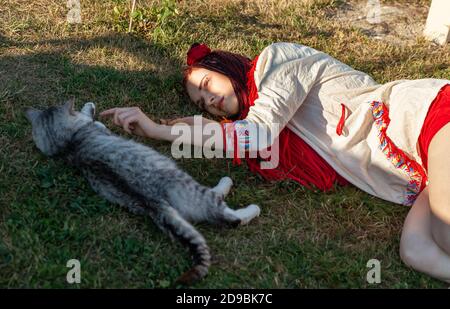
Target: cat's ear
69 105
32 114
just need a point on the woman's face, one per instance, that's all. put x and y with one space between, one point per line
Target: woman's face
212 92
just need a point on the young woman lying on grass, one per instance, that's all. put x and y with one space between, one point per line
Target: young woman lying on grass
333 124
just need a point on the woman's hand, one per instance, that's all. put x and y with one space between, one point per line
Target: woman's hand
132 120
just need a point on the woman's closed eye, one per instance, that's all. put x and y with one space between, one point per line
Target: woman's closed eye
201 102
206 82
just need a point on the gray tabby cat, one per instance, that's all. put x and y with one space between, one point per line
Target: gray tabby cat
137 177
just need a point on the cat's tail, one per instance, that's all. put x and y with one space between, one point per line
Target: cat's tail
171 222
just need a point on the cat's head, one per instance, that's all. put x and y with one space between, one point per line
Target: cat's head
54 127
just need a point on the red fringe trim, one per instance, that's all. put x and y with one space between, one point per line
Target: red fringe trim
398 158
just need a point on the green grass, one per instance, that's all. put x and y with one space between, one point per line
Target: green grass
48 213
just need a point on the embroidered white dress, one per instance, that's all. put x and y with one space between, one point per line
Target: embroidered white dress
303 88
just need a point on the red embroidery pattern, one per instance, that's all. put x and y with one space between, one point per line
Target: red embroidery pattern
397 157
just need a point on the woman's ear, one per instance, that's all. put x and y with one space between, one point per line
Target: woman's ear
32 114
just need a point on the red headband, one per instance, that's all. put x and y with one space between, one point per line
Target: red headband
197 52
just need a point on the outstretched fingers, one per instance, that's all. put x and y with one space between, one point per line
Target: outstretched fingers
122 117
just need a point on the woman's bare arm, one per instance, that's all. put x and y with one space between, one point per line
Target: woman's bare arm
195 135
187 120
187 130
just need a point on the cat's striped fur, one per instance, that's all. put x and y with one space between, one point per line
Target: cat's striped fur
137 177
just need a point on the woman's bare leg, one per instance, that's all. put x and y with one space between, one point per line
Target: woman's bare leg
425 242
418 249
439 186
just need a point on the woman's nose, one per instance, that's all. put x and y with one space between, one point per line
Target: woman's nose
211 99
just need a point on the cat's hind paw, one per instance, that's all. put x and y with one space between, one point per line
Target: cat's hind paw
248 213
224 186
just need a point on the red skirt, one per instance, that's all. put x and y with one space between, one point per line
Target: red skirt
438 116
